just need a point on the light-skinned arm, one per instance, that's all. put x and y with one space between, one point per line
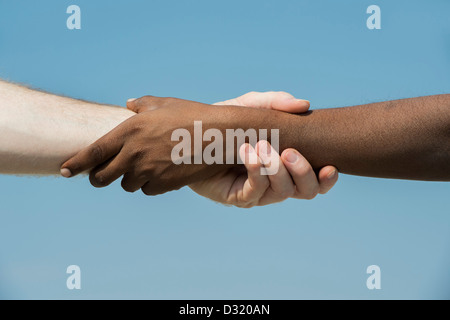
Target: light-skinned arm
39 131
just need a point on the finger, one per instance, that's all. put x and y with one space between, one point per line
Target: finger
152 188
146 103
281 101
130 104
328 177
280 180
148 189
107 173
256 184
132 183
302 173
96 154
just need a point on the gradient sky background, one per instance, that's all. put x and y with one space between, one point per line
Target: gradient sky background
181 246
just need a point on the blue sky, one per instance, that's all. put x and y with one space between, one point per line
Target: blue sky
181 246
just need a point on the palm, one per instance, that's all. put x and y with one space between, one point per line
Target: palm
228 187
223 187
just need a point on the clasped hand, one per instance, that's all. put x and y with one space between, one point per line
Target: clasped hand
140 150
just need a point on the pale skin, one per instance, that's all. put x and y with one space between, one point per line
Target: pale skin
40 131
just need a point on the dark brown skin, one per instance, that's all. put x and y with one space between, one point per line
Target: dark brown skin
403 139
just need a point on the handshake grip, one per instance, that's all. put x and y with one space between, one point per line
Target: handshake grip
171 143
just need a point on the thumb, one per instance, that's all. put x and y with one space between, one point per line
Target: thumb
288 103
147 103
130 104
281 101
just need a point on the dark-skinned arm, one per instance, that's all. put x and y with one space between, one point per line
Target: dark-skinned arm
403 139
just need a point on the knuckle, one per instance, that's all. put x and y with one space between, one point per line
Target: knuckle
127 187
285 94
134 128
148 173
302 169
246 199
148 191
310 195
138 154
253 167
244 205
98 180
288 193
96 153
146 99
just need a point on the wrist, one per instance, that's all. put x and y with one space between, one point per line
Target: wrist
240 125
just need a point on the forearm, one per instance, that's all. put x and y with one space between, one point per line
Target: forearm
403 139
39 131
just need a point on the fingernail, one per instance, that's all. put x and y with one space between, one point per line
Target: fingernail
304 102
250 155
131 100
332 174
266 149
292 157
66 173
